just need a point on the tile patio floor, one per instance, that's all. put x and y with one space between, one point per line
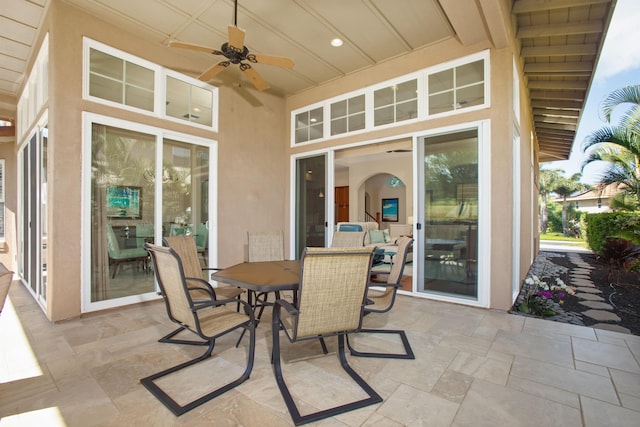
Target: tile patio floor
473 367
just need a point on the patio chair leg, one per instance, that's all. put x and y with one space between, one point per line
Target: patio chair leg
178 409
299 419
408 354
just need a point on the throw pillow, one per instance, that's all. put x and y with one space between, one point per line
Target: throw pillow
376 236
387 236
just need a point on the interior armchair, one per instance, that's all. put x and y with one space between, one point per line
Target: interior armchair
381 302
208 319
331 293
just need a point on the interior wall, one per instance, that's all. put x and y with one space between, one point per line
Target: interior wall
251 152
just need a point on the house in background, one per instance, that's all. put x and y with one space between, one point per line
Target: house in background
596 200
459 99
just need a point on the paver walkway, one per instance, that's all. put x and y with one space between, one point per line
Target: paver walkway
599 309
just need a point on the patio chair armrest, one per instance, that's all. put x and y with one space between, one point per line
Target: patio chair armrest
384 285
217 303
287 306
211 268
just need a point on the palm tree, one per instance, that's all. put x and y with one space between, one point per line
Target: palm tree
546 182
618 145
564 187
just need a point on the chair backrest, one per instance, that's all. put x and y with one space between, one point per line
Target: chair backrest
404 245
185 248
348 239
333 284
202 233
265 246
112 243
171 278
143 232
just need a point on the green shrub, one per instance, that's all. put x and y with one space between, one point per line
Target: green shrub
625 225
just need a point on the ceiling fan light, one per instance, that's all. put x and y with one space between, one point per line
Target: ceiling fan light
337 42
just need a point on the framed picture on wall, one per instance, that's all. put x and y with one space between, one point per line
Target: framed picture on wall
124 202
390 210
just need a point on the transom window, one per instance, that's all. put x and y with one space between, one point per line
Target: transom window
456 88
189 102
348 115
309 125
395 103
442 89
117 80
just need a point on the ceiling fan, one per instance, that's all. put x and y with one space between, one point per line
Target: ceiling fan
236 52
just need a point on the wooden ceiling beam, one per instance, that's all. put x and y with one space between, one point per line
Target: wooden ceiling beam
557 84
552 119
527 6
554 104
564 29
560 50
568 95
555 113
559 67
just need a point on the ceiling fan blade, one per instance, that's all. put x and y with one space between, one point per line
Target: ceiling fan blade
236 37
197 47
253 75
278 61
211 72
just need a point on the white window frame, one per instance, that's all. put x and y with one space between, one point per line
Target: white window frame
88 119
422 100
160 83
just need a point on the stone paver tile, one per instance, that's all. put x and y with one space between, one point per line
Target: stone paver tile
598 413
602 315
604 354
611 327
556 349
582 282
569 379
626 382
581 270
492 405
410 406
544 391
588 290
597 305
590 297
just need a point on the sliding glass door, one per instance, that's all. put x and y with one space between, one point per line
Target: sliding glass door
143 187
311 211
451 214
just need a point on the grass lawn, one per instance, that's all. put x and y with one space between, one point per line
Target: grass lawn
560 237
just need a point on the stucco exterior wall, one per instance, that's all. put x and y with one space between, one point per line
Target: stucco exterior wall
502 119
251 152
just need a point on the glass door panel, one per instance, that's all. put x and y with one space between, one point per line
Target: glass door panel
310 203
451 214
185 187
122 209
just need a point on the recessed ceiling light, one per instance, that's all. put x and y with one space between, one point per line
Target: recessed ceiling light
336 42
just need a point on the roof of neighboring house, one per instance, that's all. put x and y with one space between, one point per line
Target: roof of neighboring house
599 191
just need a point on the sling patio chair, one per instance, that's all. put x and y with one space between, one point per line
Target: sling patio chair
381 302
265 246
331 294
199 288
208 319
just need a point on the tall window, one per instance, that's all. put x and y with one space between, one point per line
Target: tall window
121 81
456 88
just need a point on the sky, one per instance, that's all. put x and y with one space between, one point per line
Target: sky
619 66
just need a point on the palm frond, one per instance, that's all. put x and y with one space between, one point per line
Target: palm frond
628 94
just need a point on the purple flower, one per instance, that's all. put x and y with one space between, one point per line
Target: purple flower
547 294
561 295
